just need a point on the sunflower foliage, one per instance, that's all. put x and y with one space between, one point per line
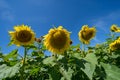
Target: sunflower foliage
99 62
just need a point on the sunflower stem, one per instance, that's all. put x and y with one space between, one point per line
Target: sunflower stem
112 35
23 66
83 50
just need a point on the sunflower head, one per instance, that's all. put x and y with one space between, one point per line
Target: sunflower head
114 28
86 34
57 40
23 35
115 45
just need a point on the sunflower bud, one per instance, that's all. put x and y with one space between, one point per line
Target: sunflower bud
71 42
38 40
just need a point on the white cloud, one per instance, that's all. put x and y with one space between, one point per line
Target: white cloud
7 15
3 5
104 22
100 24
113 16
96 40
6 12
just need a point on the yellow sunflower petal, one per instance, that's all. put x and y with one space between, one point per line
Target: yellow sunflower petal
115 45
85 27
11 33
60 27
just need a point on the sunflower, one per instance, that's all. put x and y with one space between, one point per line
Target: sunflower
57 40
23 35
115 45
114 28
86 34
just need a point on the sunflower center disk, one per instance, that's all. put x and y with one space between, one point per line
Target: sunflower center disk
59 40
24 36
115 29
87 35
117 45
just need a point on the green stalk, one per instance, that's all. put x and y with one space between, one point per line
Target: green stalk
83 49
23 66
112 35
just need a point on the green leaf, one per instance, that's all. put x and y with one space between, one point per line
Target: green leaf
43 47
49 61
78 62
1 55
37 53
10 43
54 73
12 55
6 71
112 71
31 46
34 70
90 65
77 55
76 46
67 74
115 56
91 58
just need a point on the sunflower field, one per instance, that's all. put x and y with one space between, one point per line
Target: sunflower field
67 61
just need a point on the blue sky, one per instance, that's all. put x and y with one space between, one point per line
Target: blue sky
41 15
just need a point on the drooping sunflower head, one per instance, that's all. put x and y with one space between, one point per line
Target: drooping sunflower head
114 28
23 35
86 34
57 40
115 45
